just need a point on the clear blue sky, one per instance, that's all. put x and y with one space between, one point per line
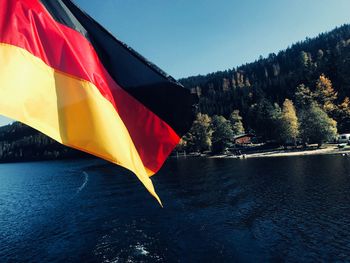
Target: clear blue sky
190 37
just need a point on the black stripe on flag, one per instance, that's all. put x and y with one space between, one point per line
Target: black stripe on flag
151 86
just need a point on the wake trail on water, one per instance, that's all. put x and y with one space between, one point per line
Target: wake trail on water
86 179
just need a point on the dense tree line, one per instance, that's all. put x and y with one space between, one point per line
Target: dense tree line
311 121
300 94
19 142
213 134
267 82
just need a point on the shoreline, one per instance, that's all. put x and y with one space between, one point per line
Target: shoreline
329 149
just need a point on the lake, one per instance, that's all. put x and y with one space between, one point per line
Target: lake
292 209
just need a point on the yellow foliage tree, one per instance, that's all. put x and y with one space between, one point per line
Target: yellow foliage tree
289 123
325 95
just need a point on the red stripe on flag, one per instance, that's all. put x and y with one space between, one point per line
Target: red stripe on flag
28 25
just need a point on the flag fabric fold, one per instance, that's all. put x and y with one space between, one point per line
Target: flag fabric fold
65 75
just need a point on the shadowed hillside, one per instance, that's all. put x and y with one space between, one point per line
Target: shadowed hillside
19 142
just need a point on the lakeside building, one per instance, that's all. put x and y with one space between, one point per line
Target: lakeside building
242 139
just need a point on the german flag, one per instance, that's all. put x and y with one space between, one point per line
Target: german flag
65 75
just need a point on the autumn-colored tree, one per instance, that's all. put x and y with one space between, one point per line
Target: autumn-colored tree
289 123
325 95
236 123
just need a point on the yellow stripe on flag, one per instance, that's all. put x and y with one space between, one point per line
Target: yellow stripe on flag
70 110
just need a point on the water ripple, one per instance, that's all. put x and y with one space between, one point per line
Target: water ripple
256 210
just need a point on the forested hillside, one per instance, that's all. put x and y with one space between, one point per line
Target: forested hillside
277 77
20 142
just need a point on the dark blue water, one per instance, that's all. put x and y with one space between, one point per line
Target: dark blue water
294 209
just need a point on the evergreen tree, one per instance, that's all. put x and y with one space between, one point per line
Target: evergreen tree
303 96
264 118
343 116
236 122
276 120
201 133
222 134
